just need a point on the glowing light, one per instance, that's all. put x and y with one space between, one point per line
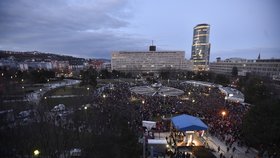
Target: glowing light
36 152
223 113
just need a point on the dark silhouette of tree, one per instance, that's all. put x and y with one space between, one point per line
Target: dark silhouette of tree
41 76
234 71
255 90
105 74
222 79
261 124
164 74
89 77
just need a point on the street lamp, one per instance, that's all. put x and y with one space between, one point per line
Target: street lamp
36 152
88 90
225 100
104 96
143 101
223 113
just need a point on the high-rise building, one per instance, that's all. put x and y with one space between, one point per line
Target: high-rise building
201 47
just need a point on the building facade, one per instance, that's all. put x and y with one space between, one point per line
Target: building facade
260 67
148 61
201 47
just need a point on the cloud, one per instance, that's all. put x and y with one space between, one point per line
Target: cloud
88 27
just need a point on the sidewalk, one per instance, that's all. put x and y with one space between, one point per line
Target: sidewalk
240 152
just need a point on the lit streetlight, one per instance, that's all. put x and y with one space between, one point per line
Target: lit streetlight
223 113
225 100
88 90
36 152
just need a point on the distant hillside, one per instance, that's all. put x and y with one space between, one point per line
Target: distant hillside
39 56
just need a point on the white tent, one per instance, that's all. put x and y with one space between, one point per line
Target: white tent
149 124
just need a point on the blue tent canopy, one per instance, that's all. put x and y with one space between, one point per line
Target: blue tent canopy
188 123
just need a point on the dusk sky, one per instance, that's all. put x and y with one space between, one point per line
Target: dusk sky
95 28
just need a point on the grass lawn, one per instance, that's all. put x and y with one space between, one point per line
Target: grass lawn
69 90
68 102
17 106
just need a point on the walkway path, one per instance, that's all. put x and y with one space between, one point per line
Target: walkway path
36 95
240 152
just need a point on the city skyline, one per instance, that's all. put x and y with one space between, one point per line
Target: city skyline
94 29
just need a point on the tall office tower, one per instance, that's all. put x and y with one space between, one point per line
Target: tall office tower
201 47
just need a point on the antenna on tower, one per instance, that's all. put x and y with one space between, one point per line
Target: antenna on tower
152 47
259 57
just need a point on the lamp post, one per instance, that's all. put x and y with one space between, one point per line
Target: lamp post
88 90
225 100
36 153
223 114
86 111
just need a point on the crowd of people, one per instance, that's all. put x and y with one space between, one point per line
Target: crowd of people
204 102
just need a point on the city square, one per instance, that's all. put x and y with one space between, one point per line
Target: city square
139 79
